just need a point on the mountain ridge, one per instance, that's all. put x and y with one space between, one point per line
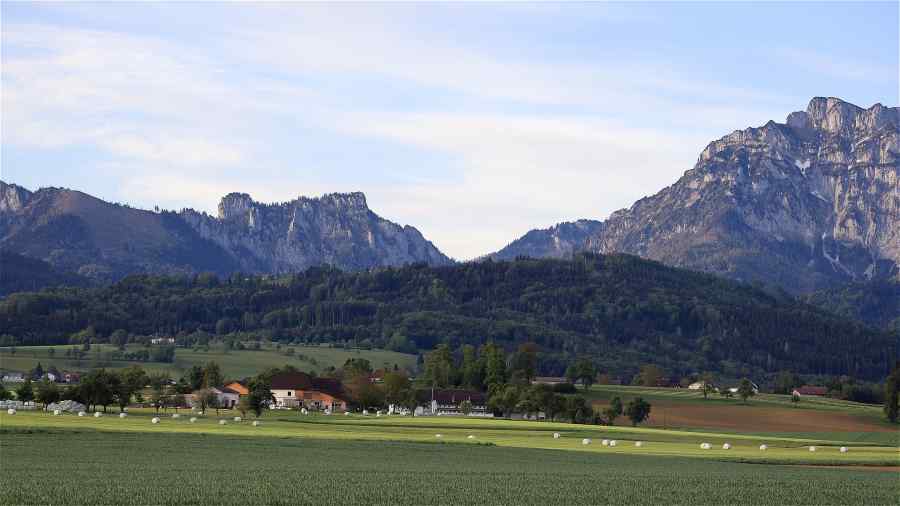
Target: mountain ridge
808 204
76 232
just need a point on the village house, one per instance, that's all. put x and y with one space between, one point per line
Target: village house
810 390
300 390
449 402
238 387
162 340
13 377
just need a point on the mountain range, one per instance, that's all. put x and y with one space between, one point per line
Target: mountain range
809 204
76 232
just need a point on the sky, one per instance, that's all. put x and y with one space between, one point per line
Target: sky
472 122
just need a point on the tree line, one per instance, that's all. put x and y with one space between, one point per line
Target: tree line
622 310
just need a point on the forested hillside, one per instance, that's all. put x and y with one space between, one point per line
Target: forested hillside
19 273
619 310
876 302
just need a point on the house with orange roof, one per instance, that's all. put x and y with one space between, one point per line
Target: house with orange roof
300 390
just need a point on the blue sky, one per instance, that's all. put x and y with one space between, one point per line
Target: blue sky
472 122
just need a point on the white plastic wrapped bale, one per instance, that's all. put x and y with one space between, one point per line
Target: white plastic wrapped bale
193 419
471 436
256 423
155 419
612 442
123 415
98 414
844 449
176 415
726 446
347 413
438 436
556 435
237 419
639 443
223 422
81 413
11 411
812 448
56 412
705 446
365 412
763 447
605 442
304 411
586 441
377 414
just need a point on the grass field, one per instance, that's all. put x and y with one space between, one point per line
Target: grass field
295 459
234 363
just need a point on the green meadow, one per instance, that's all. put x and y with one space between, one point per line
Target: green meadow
235 363
295 459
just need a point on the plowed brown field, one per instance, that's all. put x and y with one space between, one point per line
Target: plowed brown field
752 418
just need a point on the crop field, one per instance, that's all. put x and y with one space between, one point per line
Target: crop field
290 459
234 363
765 414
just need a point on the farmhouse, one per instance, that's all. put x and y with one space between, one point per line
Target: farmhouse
227 397
449 402
240 388
754 386
300 390
162 340
14 377
810 390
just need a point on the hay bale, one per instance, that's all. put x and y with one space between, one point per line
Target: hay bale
605 442
612 442
154 420
556 435
56 412
237 419
844 449
223 422
256 423
176 415
11 411
98 414
763 447
639 443
193 419
346 413
123 415
81 413
812 448
726 446
365 412
438 436
705 446
304 411
586 441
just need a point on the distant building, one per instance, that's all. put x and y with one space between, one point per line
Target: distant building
810 390
449 402
238 387
162 340
14 377
300 390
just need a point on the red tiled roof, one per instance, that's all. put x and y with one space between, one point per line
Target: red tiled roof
329 386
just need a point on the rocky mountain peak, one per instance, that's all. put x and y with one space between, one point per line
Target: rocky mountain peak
235 206
13 198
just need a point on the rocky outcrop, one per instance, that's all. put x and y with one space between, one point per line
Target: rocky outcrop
336 229
807 204
558 241
75 232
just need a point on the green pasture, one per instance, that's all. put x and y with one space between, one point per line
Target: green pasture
676 396
69 460
234 363
505 433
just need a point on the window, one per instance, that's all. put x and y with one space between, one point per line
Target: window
289 393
